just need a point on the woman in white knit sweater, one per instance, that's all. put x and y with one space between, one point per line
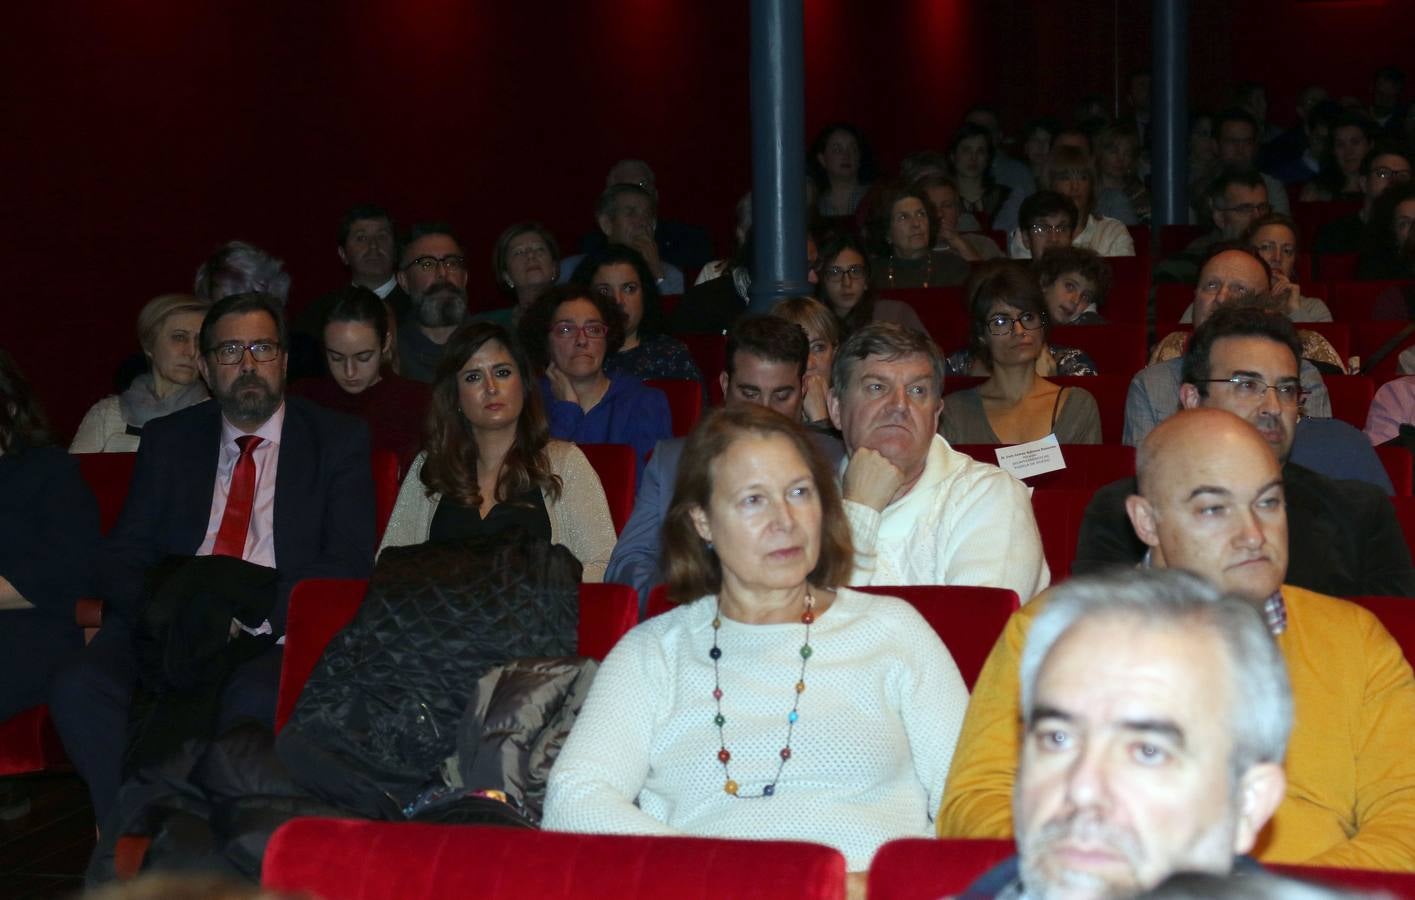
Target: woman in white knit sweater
771 703
488 462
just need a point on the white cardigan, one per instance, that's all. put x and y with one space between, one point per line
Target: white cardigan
579 519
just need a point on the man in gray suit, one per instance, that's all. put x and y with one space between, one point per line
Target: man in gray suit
766 360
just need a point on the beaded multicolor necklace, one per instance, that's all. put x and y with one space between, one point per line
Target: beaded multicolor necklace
724 756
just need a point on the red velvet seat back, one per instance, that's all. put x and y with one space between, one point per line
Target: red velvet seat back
1400 467
1351 397
320 607
967 619
614 464
386 481
1397 614
685 401
1088 466
1115 348
375 860
921 869
29 743
709 351
1059 514
107 475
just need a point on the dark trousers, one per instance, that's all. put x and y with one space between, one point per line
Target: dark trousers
33 644
93 692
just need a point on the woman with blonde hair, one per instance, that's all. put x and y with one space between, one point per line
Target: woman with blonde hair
168 329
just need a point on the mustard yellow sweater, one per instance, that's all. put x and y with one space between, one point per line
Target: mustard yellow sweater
1350 763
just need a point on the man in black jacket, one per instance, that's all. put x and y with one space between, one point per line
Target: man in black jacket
272 480
1343 536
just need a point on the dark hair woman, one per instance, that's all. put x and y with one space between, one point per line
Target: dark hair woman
569 332
648 351
839 161
757 548
1015 405
489 462
357 343
48 541
1010 283
902 230
844 287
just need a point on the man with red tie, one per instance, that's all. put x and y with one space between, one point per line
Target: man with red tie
272 480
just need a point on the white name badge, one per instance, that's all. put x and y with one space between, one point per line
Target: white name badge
1032 458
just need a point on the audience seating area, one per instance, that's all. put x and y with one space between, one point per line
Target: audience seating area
376 860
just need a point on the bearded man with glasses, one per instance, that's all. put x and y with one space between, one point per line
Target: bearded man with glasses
277 485
433 271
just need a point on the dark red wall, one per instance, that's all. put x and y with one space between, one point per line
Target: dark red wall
140 136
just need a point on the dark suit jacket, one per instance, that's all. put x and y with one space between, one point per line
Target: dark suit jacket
324 505
1343 538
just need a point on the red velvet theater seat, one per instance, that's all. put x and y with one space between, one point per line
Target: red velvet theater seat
685 401
319 607
921 869
374 860
614 464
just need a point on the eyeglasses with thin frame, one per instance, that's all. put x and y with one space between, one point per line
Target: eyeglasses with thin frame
838 273
232 352
1001 324
452 262
565 331
1250 388
1047 228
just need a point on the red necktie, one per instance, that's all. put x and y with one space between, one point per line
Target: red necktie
236 519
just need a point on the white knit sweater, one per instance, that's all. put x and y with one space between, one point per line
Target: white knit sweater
878 722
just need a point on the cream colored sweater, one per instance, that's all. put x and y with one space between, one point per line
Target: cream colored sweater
579 519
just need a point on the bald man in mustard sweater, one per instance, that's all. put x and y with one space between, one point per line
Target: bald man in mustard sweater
1210 500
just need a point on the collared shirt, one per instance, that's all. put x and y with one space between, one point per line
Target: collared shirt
383 290
260 538
1274 609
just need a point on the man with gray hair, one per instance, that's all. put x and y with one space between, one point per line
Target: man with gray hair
921 512
1155 713
1210 499
686 246
628 214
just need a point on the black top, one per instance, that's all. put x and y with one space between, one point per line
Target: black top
708 308
454 522
1341 235
48 529
1343 537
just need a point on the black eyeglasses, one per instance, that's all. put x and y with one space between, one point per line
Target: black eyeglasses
232 352
1001 324
452 263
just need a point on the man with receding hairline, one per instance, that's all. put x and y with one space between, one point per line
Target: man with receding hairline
1211 500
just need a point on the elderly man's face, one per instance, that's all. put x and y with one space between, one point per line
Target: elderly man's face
1240 205
1124 774
1213 503
630 220
891 406
1228 276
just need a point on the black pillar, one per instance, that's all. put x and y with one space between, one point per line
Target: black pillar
778 153
1169 113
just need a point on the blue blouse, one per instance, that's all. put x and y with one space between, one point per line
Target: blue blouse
630 413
